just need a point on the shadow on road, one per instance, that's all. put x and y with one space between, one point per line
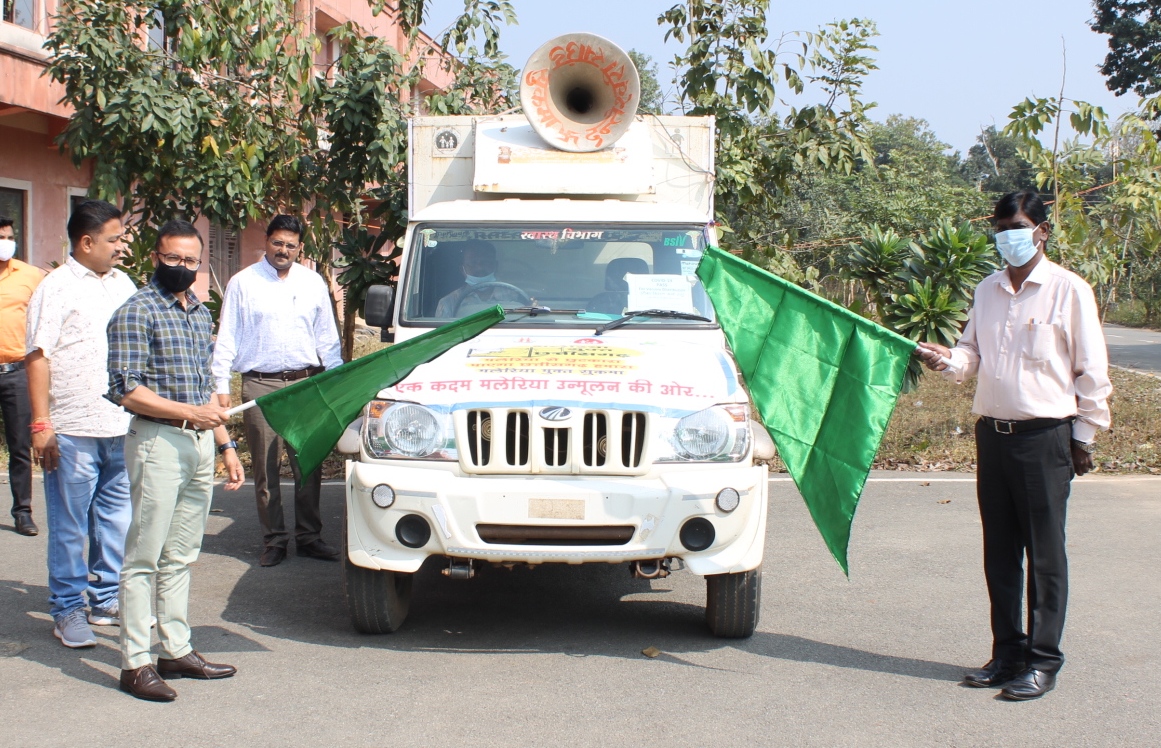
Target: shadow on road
597 610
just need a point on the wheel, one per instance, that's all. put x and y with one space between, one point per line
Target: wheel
377 600
732 603
477 293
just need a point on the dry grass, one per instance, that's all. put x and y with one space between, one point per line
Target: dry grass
933 428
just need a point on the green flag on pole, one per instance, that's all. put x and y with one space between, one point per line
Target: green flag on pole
312 414
824 380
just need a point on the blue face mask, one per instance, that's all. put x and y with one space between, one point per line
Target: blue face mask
1016 246
475 280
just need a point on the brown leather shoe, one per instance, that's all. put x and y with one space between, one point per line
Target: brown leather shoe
193 665
145 683
317 549
272 555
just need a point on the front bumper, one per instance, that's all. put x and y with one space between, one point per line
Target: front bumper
655 507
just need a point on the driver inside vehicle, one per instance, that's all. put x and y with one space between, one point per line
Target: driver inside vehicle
480 288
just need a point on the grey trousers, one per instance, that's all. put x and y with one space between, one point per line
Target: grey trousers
171 482
266 455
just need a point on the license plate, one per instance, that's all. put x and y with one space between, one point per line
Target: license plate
556 509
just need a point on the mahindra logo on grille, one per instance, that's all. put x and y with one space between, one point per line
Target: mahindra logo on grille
556 413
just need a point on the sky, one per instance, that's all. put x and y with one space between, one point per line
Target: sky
961 65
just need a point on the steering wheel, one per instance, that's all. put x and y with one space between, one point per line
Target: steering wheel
477 290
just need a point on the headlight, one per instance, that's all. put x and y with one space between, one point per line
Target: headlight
720 433
409 430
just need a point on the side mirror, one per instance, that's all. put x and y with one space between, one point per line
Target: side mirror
379 307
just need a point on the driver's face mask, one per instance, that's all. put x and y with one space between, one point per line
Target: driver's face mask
475 280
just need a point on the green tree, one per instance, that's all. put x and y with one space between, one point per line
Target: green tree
910 185
995 165
217 109
652 100
1134 31
733 70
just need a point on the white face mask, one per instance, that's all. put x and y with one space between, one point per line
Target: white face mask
7 249
1016 246
475 280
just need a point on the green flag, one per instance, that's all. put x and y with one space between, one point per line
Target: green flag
312 414
824 380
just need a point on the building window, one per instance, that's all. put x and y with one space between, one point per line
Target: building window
20 12
225 255
14 205
159 37
75 201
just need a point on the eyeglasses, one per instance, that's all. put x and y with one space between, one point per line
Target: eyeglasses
288 246
192 263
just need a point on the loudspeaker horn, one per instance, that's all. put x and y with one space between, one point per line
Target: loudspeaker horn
580 92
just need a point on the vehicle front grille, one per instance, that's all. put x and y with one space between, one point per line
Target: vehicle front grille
595 441
555 535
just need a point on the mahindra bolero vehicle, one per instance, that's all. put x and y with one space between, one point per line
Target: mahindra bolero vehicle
603 421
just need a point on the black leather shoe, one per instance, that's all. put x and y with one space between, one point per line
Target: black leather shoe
193 665
25 525
318 549
1030 684
272 555
995 673
145 683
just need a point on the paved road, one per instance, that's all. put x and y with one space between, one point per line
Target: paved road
553 655
1134 349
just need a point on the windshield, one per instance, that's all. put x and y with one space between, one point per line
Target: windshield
572 274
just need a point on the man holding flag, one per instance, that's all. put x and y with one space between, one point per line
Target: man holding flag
159 370
1034 341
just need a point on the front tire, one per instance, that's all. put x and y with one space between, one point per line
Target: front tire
732 603
377 600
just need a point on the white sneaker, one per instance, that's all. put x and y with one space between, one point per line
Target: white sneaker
73 631
111 616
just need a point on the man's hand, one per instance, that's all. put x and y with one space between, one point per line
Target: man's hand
45 451
208 416
223 400
1081 460
235 477
930 353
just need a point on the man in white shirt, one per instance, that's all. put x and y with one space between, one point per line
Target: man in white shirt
277 326
1034 341
78 436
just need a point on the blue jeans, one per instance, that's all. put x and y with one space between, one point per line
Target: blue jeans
88 498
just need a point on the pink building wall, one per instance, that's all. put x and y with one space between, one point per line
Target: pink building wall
31 116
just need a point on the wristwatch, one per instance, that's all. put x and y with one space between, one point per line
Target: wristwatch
1088 447
228 445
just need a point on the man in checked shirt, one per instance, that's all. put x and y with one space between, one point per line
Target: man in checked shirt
1035 344
159 370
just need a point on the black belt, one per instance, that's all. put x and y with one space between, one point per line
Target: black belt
1019 427
175 422
14 366
285 376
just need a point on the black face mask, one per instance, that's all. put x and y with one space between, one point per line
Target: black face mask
174 278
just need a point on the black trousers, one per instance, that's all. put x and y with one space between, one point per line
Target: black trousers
17 412
1022 484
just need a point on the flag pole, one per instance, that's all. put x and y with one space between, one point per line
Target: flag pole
238 409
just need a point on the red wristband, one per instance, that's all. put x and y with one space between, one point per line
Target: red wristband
41 426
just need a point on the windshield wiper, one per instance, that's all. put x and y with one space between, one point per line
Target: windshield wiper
532 311
663 313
